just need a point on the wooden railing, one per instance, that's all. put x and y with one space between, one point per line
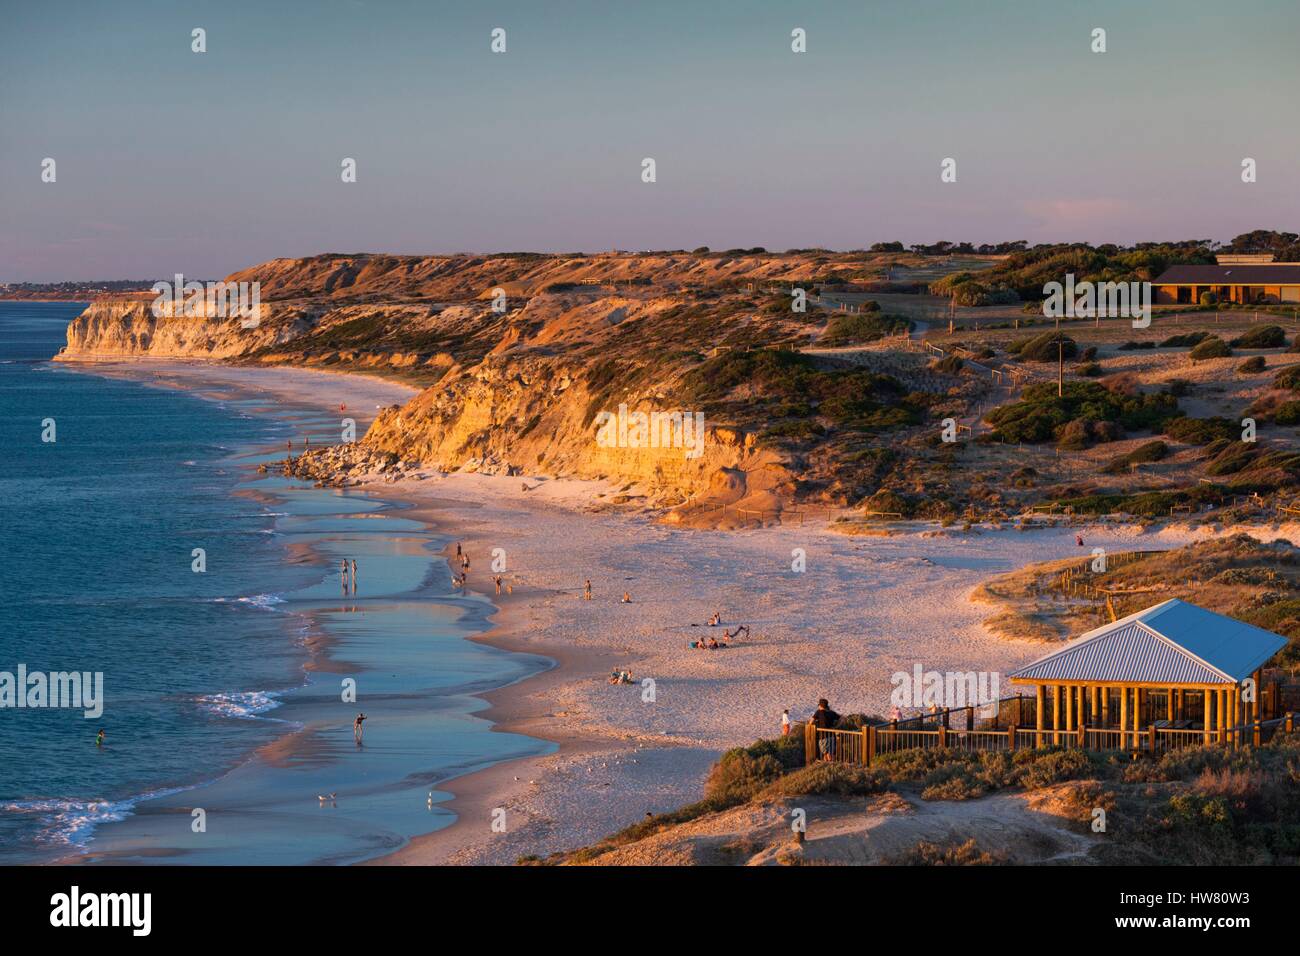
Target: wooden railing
862 745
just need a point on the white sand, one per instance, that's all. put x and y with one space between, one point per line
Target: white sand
864 609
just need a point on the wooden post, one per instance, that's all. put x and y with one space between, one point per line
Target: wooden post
1069 708
1169 705
1123 717
871 744
1041 716
1011 736
1206 709
1151 737
1290 722
866 743
1083 736
809 744
1105 706
1056 713
1254 704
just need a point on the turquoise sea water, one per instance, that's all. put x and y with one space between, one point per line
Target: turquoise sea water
200 670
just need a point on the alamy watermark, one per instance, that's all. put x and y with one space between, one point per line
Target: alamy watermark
1108 300
82 690
948 690
209 300
639 429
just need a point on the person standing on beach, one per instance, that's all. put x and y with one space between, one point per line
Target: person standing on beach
498 584
458 550
354 575
356 728
586 591
825 719
785 722
343 574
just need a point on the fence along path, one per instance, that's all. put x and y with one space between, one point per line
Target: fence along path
861 746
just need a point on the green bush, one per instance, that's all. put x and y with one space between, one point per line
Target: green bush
1288 378
1288 413
1184 341
849 328
1252 365
1200 431
1261 337
1040 415
1044 347
1150 451
1211 348
1209 298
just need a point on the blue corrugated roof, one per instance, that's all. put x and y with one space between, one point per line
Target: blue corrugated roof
1169 643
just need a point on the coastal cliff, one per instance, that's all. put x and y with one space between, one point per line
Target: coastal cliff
523 360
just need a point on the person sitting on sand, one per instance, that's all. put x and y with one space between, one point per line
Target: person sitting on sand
627 598
716 619
713 644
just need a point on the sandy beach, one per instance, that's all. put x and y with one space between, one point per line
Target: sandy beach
862 609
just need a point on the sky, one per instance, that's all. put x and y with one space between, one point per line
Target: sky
203 163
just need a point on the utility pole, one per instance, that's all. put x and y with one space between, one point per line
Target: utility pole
1060 368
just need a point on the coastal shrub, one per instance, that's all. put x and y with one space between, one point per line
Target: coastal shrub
1200 431
1288 378
838 779
949 365
853 399
1209 298
1178 387
1041 415
1089 354
1211 348
1261 337
1149 451
1288 413
925 853
1252 365
848 328
1088 370
1044 347
1186 340
738 776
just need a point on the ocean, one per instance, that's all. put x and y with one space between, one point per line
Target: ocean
206 673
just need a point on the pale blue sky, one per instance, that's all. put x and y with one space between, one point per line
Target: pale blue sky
173 161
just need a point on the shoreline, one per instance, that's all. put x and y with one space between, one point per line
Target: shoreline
617 759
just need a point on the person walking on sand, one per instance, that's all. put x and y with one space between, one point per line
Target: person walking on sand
343 574
497 581
586 591
785 722
354 575
357 729
457 550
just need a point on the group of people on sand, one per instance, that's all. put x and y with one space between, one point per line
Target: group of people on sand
348 576
712 643
621 677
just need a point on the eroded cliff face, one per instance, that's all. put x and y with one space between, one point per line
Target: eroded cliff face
531 416
122 328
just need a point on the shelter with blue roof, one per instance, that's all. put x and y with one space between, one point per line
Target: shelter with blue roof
1174 670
